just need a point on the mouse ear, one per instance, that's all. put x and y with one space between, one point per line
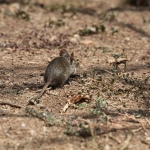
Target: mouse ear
72 57
63 52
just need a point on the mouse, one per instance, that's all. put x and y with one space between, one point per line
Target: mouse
57 72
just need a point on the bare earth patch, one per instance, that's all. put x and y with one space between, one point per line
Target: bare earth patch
106 106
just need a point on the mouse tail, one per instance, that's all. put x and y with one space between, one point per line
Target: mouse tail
43 90
34 100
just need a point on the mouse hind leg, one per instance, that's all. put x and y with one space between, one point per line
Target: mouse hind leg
59 82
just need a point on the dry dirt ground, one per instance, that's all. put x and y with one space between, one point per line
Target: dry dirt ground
111 41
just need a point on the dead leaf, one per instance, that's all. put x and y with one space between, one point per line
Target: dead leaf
75 99
119 60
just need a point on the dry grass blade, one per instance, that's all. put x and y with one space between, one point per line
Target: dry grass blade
65 107
126 142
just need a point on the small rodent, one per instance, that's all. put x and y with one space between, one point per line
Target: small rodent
58 72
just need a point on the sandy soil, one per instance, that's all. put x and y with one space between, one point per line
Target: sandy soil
113 109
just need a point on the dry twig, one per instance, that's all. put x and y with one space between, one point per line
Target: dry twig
129 117
10 104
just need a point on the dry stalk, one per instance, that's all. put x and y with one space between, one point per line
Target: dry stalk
126 142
